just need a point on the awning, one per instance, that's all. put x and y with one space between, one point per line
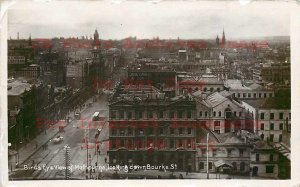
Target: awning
222 163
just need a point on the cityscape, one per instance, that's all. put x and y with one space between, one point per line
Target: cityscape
93 108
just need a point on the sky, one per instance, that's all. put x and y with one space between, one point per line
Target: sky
115 20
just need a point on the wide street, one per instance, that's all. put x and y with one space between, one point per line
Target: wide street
73 136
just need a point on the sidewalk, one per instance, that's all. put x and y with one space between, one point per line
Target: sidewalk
27 150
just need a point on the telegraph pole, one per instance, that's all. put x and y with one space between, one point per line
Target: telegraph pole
207 155
67 161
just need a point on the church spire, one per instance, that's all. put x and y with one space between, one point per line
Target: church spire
223 38
217 40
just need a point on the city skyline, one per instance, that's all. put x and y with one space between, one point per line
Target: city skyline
119 21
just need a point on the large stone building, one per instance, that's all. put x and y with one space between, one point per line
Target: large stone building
147 128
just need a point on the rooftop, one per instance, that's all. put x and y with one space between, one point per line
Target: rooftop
17 87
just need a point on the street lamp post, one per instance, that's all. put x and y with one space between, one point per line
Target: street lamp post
207 155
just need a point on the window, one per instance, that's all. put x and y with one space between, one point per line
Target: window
140 114
218 89
271 115
161 114
205 89
161 130
150 114
271 157
229 152
129 131
171 114
269 169
180 130
280 138
239 95
257 157
205 114
262 115
203 151
211 89
172 144
215 113
189 130
244 95
281 126
249 95
201 165
150 130
171 130
200 113
241 152
272 126
220 114
113 114
281 115
262 126
210 165
265 95
242 166
234 166
214 151
234 114
189 114
180 114
259 95
271 137
240 114
121 114
254 95
129 115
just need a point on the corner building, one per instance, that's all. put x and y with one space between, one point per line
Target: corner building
148 128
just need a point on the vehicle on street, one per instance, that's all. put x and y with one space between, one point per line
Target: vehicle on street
98 117
58 139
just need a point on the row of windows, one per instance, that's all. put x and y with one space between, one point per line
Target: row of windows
271 137
229 152
234 164
150 131
160 143
252 95
272 115
205 114
271 127
271 157
151 114
200 88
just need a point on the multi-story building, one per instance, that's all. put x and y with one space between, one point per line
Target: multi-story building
272 117
207 83
227 153
277 73
147 128
221 114
264 160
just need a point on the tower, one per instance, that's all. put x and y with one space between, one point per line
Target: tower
96 35
223 38
217 40
29 40
96 42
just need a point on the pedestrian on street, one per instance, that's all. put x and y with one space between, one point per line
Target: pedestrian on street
105 159
96 164
187 172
